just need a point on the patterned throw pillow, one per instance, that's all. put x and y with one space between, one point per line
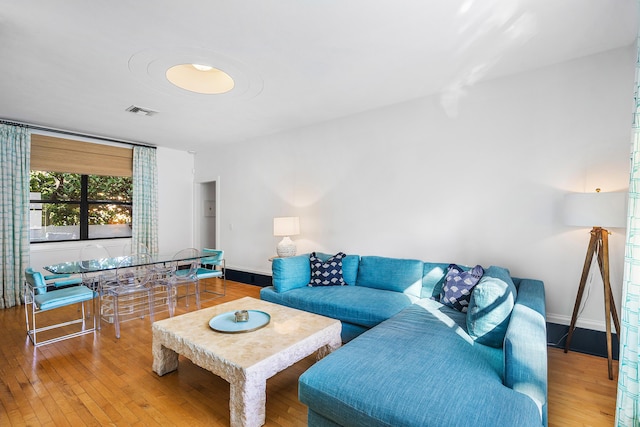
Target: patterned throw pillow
458 284
327 273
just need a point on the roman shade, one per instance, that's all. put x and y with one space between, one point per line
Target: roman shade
53 154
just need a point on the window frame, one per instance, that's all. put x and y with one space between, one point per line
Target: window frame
83 204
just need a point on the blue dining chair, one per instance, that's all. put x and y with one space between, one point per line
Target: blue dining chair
213 266
55 281
40 297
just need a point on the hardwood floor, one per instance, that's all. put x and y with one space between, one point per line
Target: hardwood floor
99 380
580 391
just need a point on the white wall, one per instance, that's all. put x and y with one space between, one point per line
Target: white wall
175 200
175 214
484 187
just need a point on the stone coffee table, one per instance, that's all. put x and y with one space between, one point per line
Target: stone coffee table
245 360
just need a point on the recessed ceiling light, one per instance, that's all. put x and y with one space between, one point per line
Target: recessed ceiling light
200 78
201 67
150 67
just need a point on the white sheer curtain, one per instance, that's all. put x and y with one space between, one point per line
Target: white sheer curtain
15 148
628 401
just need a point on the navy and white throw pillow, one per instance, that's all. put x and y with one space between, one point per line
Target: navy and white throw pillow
327 273
458 285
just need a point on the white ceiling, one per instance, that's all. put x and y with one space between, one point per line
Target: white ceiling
77 64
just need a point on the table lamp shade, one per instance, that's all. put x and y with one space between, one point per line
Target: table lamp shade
286 226
606 210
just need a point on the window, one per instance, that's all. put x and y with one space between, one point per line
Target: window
78 191
69 206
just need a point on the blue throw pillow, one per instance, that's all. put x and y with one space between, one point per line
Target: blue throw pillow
457 287
326 273
490 307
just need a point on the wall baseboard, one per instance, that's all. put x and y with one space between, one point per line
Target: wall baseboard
585 341
257 279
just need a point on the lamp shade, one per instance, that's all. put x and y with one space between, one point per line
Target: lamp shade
606 210
286 226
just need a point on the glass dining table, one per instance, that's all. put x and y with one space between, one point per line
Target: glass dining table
97 270
106 264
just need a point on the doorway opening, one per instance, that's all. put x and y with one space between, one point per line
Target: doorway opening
208 219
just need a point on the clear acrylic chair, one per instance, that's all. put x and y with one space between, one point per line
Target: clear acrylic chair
131 294
91 256
185 267
135 248
213 266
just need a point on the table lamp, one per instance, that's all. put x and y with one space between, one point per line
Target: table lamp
599 211
286 226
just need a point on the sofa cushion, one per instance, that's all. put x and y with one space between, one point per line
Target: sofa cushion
444 314
458 284
424 371
490 307
291 272
353 304
350 265
433 278
326 272
391 274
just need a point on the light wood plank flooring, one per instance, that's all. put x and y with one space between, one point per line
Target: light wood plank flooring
99 380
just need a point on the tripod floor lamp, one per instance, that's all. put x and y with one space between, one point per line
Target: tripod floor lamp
597 210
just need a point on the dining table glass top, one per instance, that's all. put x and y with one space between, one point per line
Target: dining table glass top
105 264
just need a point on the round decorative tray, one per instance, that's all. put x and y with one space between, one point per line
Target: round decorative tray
226 322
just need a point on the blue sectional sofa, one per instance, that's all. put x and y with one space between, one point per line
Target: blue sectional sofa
410 360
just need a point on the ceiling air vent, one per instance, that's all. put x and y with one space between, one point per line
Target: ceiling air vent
141 111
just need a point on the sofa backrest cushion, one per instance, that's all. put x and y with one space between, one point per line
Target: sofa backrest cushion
291 272
433 278
391 274
490 307
295 272
350 265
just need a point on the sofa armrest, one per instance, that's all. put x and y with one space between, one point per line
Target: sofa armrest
525 345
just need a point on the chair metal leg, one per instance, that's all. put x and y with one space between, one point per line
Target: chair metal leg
215 291
116 315
27 302
98 311
34 338
95 312
33 330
